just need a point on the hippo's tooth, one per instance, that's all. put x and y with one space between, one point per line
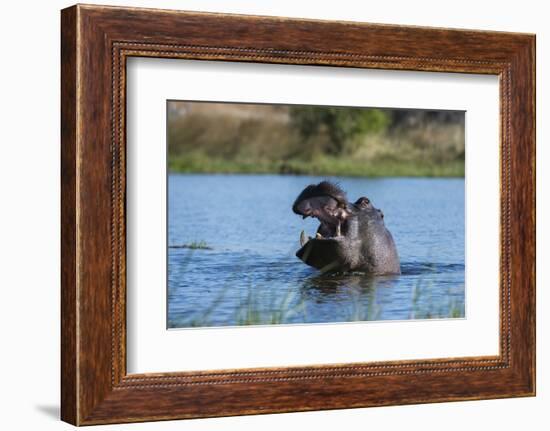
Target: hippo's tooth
304 238
318 235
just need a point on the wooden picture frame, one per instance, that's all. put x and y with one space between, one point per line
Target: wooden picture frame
95 43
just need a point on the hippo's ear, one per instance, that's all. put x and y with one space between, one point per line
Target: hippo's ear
363 202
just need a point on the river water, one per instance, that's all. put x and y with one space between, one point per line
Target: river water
243 269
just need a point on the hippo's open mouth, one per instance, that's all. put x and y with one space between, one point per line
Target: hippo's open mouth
322 253
327 203
323 250
324 231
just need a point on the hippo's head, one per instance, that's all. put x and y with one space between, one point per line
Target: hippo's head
350 237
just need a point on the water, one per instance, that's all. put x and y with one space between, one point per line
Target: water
251 276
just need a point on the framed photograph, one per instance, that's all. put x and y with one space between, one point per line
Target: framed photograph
264 214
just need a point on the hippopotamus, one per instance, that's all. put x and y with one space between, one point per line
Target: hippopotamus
350 237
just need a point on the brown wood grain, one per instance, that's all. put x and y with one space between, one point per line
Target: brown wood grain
68 217
96 41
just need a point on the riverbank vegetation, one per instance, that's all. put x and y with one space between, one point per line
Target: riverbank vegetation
292 308
244 138
193 245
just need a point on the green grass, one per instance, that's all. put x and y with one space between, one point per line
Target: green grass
291 307
195 245
322 166
454 309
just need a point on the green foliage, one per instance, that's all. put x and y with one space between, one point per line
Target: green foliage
257 139
290 308
342 125
320 165
194 245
